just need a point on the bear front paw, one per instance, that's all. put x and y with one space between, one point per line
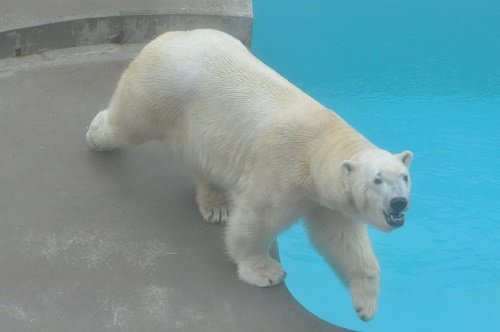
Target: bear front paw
365 308
364 297
261 274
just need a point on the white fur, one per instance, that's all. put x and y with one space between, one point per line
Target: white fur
263 154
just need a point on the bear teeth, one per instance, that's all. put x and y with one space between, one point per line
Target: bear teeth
395 220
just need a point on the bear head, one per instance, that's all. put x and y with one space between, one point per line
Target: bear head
378 186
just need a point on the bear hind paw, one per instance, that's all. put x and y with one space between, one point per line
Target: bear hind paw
214 207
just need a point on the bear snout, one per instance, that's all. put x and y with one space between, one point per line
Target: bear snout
398 204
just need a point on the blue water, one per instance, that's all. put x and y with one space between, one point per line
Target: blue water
420 75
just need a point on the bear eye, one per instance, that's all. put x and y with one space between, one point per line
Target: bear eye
377 181
405 178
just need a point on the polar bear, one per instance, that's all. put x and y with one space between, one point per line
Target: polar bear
263 154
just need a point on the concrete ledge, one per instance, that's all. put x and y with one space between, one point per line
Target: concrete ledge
101 26
114 29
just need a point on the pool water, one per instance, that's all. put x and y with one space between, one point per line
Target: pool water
419 75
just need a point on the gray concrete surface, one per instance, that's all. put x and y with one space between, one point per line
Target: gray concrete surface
108 241
28 27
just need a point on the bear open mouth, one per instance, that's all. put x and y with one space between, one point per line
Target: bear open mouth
395 219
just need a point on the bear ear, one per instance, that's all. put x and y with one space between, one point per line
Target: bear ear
406 157
348 166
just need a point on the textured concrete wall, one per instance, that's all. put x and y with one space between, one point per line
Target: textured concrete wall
33 27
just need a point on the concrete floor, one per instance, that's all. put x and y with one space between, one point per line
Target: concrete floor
108 241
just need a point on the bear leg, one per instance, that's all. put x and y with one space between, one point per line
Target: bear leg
248 238
346 246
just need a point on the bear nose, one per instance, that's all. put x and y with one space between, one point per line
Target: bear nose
398 204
